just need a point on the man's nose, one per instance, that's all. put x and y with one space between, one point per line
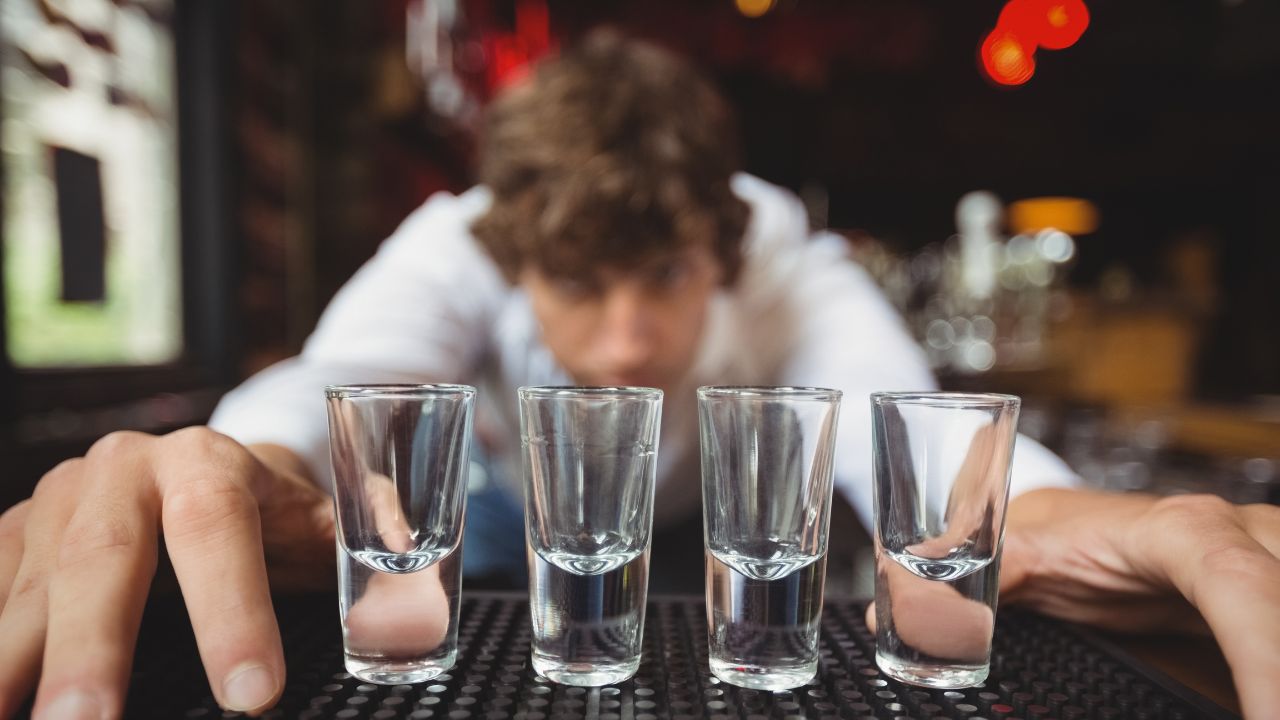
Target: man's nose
627 337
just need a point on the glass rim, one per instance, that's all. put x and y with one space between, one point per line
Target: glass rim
398 390
769 392
595 392
945 399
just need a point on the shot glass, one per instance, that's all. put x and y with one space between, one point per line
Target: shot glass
400 468
589 467
766 499
941 491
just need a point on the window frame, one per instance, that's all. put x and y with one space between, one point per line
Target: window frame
202 33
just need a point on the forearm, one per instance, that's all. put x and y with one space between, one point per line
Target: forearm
1047 507
1041 507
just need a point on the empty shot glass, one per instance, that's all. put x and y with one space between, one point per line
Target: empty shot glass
400 470
589 463
941 465
767 478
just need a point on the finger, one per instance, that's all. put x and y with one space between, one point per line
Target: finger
400 616
298 534
388 514
1017 563
1231 578
12 523
1262 522
214 538
1239 596
25 614
105 560
22 626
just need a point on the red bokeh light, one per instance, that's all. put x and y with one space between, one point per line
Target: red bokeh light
1023 17
1008 53
1064 22
512 53
1050 24
1008 59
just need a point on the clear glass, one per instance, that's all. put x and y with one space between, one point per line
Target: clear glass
766 497
400 466
941 490
589 463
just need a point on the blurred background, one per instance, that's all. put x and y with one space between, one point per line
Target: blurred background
1094 227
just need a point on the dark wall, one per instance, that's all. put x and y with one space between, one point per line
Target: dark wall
1165 114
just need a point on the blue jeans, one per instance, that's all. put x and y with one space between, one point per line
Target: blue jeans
493 542
493 546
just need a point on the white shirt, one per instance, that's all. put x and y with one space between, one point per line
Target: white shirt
431 306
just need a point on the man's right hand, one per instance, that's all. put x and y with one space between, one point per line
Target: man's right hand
77 560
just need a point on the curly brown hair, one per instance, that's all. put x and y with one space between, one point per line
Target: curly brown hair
613 154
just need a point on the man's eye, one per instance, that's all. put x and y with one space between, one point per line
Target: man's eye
574 288
669 274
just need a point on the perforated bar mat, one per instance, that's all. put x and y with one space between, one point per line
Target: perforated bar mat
1040 669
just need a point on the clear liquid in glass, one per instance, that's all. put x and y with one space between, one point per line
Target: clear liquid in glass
764 609
588 612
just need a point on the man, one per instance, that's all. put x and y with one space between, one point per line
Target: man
611 243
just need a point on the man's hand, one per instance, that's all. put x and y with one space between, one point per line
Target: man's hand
1137 563
77 560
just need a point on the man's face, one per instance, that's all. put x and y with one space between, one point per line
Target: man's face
635 327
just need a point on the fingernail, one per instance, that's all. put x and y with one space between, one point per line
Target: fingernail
72 705
248 687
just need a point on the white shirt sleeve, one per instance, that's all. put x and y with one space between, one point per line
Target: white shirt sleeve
419 311
844 334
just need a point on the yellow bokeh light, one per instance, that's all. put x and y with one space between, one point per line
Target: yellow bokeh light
754 8
1074 216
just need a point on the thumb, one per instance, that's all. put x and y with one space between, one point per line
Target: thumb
1017 560
285 488
298 525
291 505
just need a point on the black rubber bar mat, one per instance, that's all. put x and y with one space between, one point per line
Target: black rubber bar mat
1040 669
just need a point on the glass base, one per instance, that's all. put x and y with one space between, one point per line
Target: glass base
757 677
584 674
382 671
943 676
